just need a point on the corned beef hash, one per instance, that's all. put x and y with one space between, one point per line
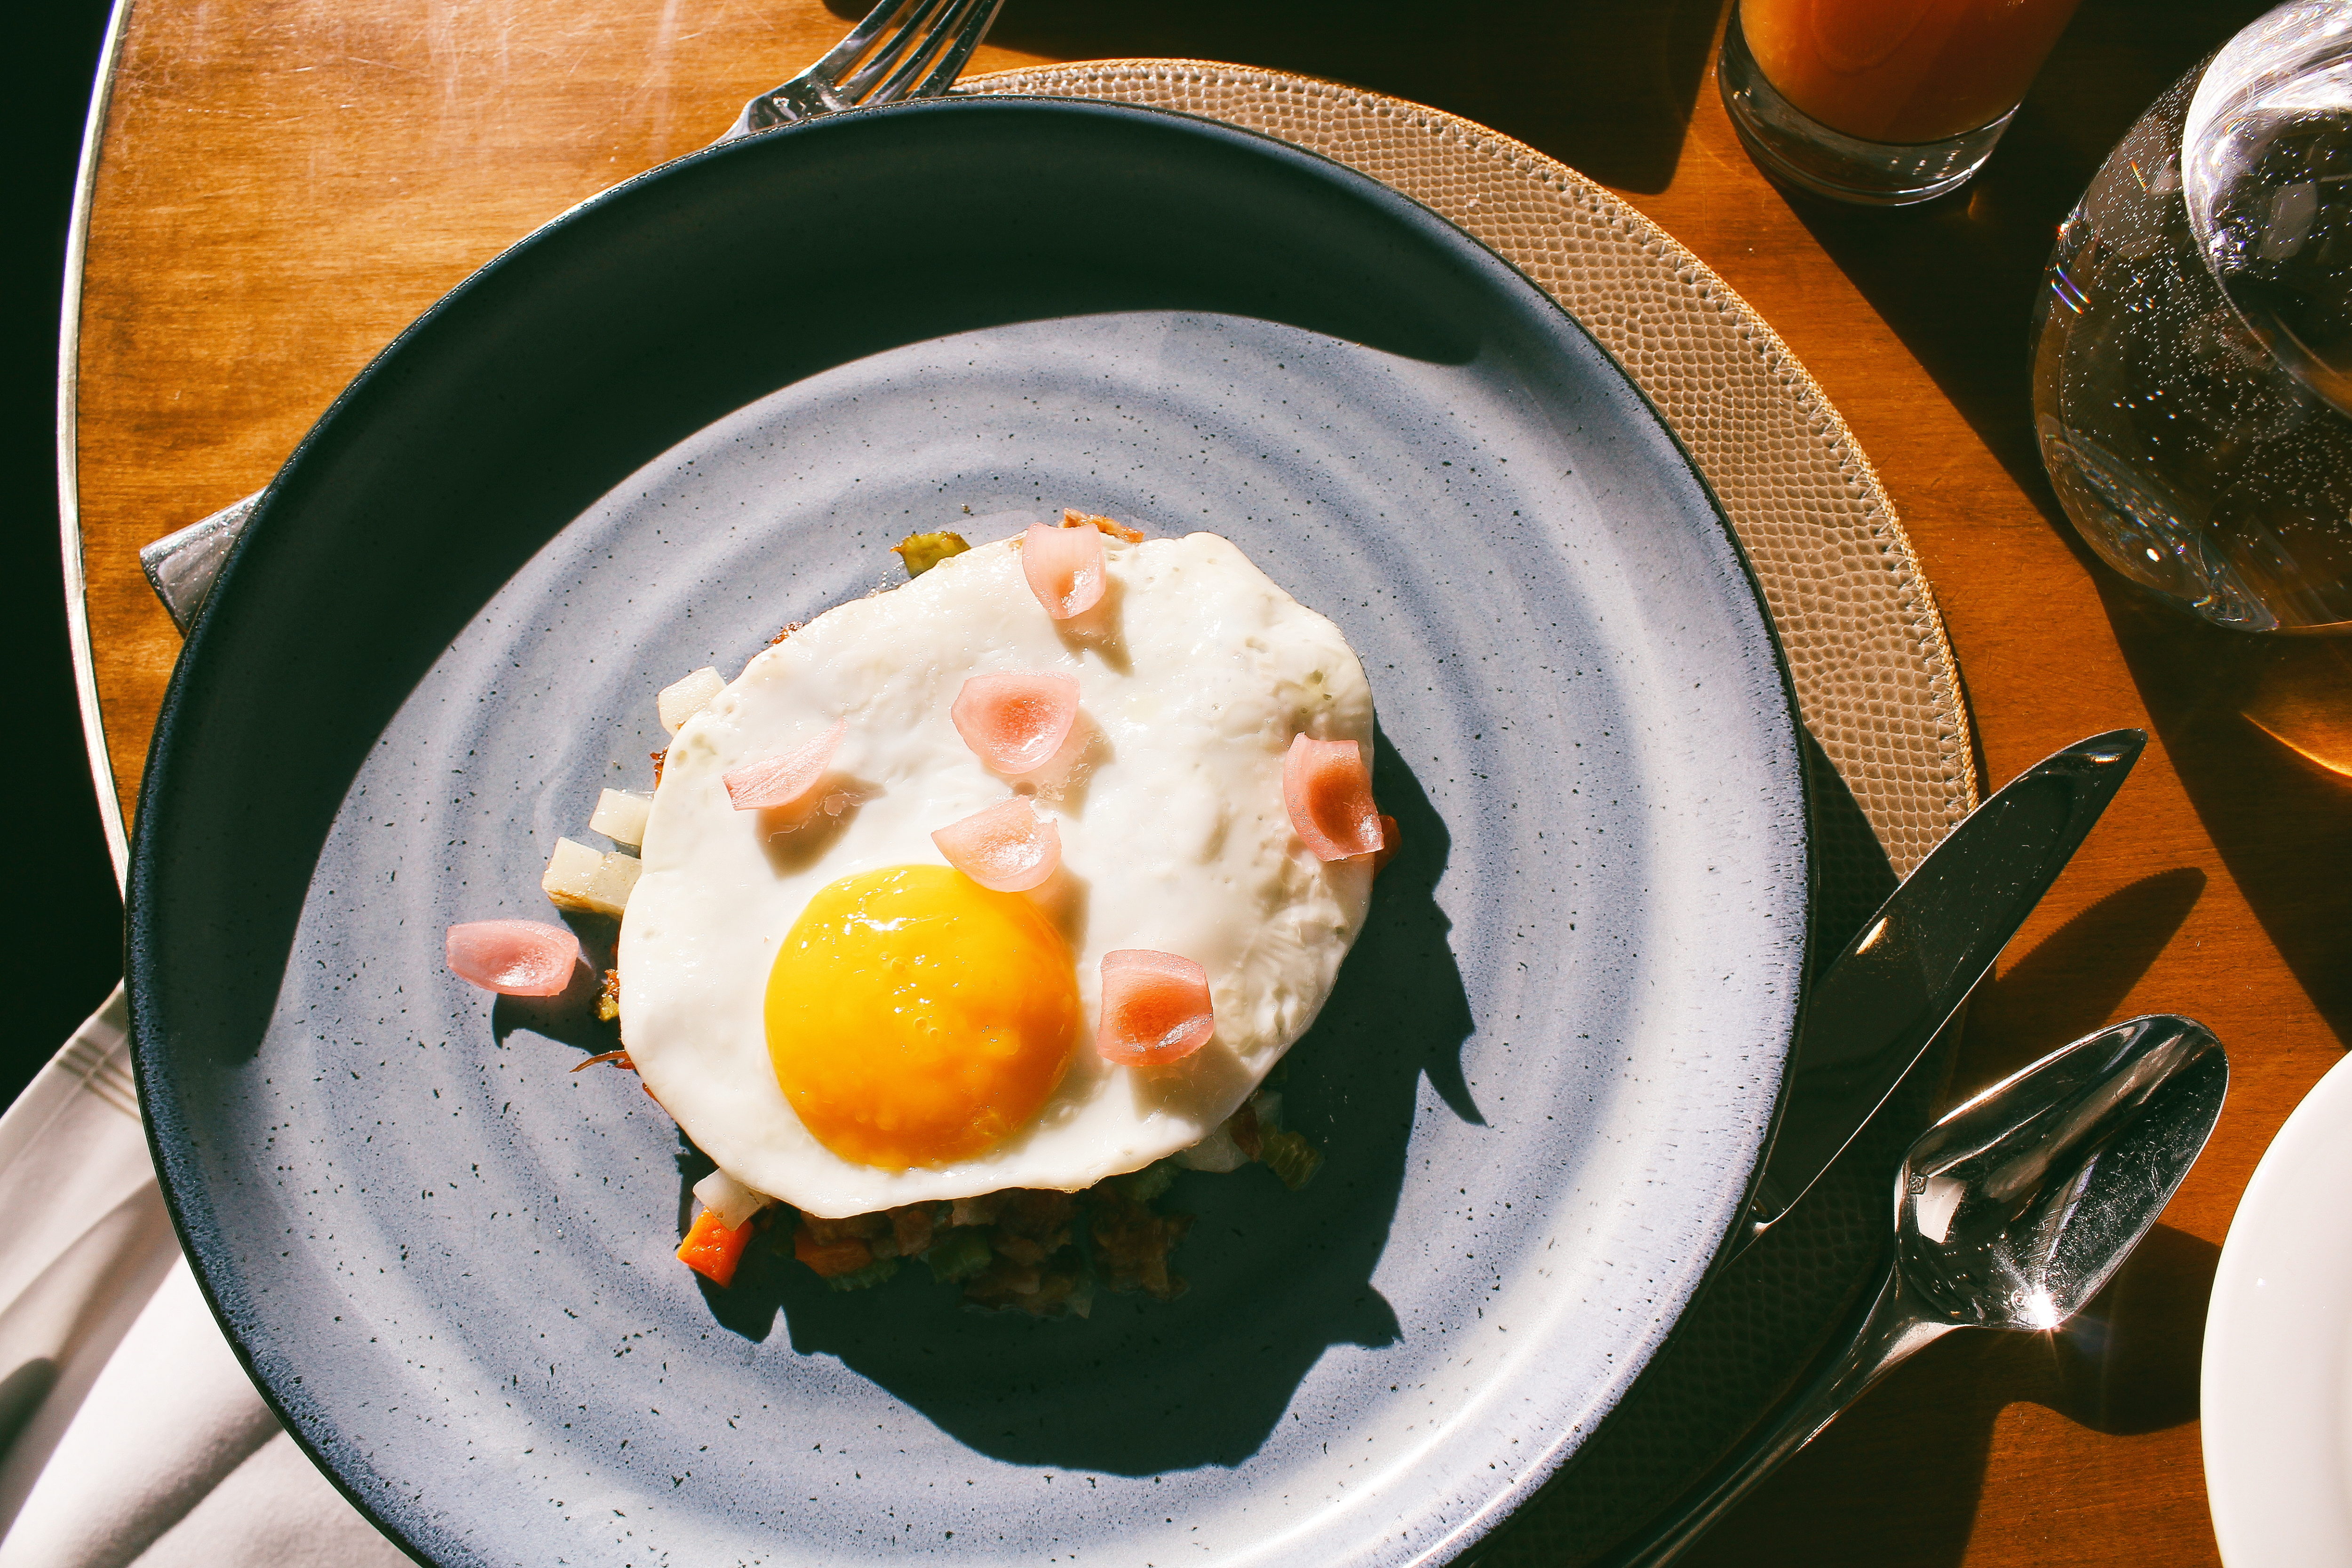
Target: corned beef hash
971 910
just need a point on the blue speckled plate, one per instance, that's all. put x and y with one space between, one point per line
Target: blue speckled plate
702 407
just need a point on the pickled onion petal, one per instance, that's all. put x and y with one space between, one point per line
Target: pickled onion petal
1008 848
513 958
787 779
1065 568
1330 793
1155 1007
1016 722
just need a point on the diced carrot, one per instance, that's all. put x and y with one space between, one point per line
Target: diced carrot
712 1250
831 1259
1117 530
1390 839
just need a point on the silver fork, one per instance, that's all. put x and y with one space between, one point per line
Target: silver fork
884 73
920 57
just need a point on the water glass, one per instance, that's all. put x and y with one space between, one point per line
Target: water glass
2193 352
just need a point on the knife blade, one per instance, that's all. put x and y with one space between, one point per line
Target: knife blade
1905 973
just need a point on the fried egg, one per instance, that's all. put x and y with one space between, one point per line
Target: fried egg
843 1021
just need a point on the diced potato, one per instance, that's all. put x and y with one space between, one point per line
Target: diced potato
729 1199
579 878
682 701
570 872
621 816
616 879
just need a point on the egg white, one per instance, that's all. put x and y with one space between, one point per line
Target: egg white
1193 676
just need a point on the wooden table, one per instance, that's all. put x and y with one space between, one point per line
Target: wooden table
285 184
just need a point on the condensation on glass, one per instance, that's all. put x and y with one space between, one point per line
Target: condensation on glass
2192 361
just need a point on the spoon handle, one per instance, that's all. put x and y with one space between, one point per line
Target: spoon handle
1889 1329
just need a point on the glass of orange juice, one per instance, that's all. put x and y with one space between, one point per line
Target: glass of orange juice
1881 101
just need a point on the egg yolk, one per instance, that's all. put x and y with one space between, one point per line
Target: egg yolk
915 1018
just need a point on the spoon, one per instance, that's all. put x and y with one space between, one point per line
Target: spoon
2009 1213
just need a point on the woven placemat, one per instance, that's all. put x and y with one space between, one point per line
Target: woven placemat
1892 762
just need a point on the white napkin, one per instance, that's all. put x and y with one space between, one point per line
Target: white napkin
129 1434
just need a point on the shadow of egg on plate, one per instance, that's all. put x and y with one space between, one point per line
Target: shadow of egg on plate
1276 1277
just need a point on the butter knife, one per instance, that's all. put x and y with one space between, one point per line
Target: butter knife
1874 1011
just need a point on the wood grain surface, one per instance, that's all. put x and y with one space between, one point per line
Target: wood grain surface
286 183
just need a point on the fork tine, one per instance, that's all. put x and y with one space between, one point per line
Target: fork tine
916 30
859 39
902 80
924 28
952 64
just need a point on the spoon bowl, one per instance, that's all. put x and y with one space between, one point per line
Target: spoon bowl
2009 1213
2014 1209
